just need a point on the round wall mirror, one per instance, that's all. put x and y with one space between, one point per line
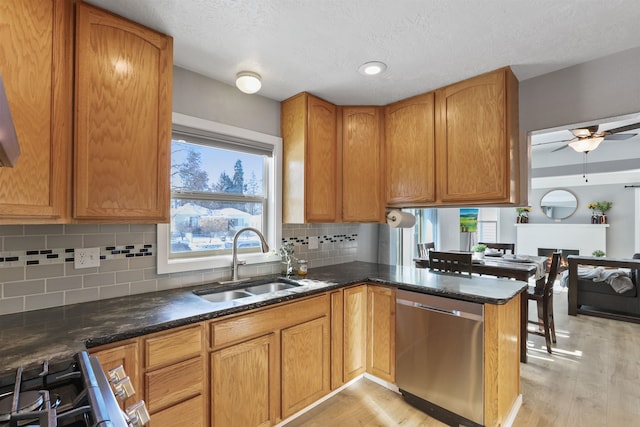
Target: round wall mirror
558 204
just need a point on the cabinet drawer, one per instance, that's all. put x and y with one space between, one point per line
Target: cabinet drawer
174 347
252 325
174 383
189 413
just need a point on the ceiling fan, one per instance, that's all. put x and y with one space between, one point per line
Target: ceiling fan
589 138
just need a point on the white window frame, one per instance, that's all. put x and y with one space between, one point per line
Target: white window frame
165 264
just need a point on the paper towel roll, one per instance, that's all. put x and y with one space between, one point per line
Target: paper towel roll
399 219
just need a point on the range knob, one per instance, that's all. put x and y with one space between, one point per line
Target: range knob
123 388
137 414
116 374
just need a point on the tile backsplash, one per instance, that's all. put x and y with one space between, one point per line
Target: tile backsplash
37 269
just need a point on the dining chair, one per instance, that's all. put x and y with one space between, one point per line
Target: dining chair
544 298
450 262
502 247
425 248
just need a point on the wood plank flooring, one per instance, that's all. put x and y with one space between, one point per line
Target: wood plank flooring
592 379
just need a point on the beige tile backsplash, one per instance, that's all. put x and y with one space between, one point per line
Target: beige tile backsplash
55 282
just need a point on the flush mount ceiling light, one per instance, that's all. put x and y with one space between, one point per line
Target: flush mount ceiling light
248 82
372 68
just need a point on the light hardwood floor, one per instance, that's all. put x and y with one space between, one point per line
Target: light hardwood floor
592 379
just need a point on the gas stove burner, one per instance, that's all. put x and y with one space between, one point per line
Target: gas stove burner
28 401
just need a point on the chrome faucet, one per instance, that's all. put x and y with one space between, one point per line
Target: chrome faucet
234 250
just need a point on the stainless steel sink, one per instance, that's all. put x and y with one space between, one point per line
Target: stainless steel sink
267 288
224 296
255 287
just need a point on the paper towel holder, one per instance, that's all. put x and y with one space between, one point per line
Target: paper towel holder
396 218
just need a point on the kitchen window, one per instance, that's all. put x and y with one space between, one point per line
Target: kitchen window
223 179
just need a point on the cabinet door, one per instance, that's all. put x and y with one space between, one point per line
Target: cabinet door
410 153
381 322
362 194
337 339
186 414
125 355
305 364
321 162
355 332
122 119
476 145
36 67
243 384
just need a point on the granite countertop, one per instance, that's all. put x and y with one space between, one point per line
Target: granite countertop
57 333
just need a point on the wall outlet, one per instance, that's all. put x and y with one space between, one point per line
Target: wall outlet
86 258
313 242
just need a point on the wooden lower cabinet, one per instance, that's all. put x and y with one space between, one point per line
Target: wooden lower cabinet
355 332
125 354
242 384
305 364
175 373
381 331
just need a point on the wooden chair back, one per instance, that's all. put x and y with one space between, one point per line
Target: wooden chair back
425 248
502 247
450 262
547 289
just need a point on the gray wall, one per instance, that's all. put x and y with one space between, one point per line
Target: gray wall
606 87
199 96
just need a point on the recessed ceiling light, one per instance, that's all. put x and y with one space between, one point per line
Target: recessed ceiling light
372 68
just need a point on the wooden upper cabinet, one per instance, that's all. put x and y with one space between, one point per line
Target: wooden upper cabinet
477 140
310 161
35 63
362 169
122 119
410 151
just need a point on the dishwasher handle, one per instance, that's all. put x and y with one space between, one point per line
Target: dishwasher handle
450 312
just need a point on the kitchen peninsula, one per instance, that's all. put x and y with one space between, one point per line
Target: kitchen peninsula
144 320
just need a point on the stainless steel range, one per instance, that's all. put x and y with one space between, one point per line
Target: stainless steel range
76 393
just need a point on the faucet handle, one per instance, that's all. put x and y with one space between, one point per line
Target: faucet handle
242 262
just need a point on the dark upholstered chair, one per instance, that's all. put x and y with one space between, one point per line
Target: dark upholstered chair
544 297
502 247
450 262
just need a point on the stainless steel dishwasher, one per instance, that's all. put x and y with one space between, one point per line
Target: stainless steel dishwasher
439 356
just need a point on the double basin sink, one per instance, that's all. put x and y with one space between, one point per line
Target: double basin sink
254 288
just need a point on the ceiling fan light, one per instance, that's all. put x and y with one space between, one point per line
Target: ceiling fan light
585 145
248 82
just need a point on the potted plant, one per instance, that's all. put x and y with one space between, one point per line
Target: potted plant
478 251
598 210
598 253
523 215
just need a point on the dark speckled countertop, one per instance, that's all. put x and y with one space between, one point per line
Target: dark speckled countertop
57 333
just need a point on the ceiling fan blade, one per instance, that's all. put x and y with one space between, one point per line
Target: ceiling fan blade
560 148
619 137
632 126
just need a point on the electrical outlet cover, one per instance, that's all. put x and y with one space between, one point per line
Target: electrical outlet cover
86 258
313 242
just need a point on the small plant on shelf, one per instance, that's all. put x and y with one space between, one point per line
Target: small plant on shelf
598 210
478 248
598 253
523 214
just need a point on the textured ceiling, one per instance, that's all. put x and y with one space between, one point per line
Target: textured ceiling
318 45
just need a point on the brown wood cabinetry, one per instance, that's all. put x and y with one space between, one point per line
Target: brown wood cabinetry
276 361
122 119
243 379
477 149
410 151
175 375
310 160
355 332
125 354
35 63
381 332
114 132
362 164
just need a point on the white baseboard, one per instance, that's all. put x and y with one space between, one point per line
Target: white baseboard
511 418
